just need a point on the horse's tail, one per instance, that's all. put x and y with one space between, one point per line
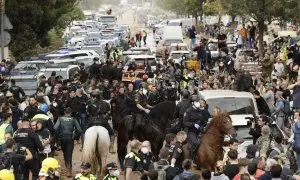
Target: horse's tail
102 147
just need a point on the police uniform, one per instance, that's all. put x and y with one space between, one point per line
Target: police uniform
180 109
133 161
191 117
141 100
64 127
131 102
29 139
109 177
98 110
178 155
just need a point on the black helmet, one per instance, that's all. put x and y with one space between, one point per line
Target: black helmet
93 109
185 94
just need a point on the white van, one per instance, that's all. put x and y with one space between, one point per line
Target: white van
172 34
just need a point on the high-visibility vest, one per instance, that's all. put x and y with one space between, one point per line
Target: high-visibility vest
82 177
2 132
107 177
131 154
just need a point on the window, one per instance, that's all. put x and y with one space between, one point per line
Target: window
168 42
232 105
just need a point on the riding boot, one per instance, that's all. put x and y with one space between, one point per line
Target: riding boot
112 142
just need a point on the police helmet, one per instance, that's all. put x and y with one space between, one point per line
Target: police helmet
49 165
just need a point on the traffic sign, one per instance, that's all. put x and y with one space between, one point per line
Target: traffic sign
7 38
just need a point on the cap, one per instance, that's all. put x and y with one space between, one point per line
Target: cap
85 165
111 165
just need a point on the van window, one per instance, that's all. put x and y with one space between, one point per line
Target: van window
151 61
232 105
78 55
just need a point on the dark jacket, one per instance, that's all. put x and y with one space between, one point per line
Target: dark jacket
28 138
195 116
65 127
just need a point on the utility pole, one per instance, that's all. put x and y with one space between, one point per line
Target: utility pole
2 28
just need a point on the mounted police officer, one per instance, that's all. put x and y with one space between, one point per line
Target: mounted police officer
98 114
142 108
195 120
181 108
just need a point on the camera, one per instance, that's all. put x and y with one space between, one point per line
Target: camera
20 149
251 120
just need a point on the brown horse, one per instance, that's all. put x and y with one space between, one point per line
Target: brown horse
212 141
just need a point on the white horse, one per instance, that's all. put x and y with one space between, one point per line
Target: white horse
96 148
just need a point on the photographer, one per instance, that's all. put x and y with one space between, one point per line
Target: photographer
14 158
256 125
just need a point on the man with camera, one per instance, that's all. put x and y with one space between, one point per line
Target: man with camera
256 124
14 158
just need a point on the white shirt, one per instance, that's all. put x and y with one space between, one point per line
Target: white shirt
279 67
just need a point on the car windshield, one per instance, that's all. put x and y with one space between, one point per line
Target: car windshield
168 42
232 105
243 132
108 19
174 24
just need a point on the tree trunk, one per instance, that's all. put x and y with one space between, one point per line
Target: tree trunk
232 19
261 29
196 20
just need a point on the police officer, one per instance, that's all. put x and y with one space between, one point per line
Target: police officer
112 172
85 172
29 139
178 157
195 120
132 161
16 90
65 127
181 108
130 94
98 114
119 106
142 109
153 97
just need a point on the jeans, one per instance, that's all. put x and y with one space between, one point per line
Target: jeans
67 146
192 43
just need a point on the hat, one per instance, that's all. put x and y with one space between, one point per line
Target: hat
7 175
85 165
111 166
49 163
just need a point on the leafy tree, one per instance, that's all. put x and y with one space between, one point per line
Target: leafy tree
33 19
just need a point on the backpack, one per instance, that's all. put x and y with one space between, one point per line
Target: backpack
5 161
286 108
161 169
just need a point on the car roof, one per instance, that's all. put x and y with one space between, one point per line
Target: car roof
211 94
141 56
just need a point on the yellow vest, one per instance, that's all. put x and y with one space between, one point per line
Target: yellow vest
131 155
81 177
2 132
109 178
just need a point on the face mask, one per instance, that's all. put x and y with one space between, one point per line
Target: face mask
197 104
144 150
116 173
173 86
